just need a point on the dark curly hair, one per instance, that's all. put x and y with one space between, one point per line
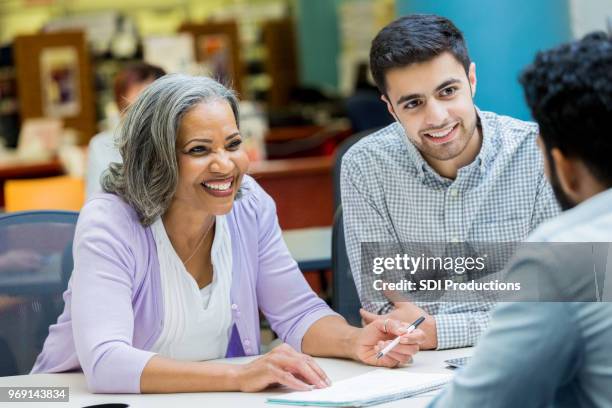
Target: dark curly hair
569 91
414 38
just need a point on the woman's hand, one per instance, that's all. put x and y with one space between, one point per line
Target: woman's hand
408 312
378 334
283 365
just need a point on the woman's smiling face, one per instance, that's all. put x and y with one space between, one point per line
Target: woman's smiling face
210 158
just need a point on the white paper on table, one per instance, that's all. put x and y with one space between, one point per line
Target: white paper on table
374 387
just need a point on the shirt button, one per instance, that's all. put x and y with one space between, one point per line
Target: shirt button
453 192
247 350
247 343
454 240
234 306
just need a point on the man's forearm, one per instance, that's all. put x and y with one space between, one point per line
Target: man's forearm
460 329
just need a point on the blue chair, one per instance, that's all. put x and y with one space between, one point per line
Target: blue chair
345 299
35 266
366 111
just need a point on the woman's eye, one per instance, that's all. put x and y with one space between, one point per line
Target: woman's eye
234 144
197 150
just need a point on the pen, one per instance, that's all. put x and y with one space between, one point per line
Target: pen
396 341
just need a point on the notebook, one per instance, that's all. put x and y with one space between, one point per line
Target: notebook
374 387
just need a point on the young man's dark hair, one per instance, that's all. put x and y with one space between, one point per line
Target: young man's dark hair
414 38
569 91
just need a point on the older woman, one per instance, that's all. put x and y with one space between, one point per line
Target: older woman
173 263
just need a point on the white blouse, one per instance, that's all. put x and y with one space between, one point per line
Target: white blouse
196 322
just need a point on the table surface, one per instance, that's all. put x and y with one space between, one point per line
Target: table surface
310 247
336 369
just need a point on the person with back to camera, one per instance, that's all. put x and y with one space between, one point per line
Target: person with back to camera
173 262
556 352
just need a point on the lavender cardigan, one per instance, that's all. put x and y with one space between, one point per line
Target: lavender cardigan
113 304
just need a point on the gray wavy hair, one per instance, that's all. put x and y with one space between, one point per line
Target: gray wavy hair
148 177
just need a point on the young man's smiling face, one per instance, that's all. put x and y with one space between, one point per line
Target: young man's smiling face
433 101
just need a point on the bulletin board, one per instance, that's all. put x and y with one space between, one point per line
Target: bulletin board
54 79
217 49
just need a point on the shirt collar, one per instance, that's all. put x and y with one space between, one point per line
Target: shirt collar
584 214
490 141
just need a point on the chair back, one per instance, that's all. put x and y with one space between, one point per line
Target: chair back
52 193
35 266
339 154
345 299
366 111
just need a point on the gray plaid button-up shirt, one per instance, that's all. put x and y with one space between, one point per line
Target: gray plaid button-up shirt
390 194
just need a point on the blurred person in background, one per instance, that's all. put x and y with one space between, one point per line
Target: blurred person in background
128 84
364 108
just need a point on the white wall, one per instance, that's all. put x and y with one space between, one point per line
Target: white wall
590 15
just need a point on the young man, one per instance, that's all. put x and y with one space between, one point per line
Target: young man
557 353
443 172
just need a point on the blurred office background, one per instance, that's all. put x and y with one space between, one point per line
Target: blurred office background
295 63
300 67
